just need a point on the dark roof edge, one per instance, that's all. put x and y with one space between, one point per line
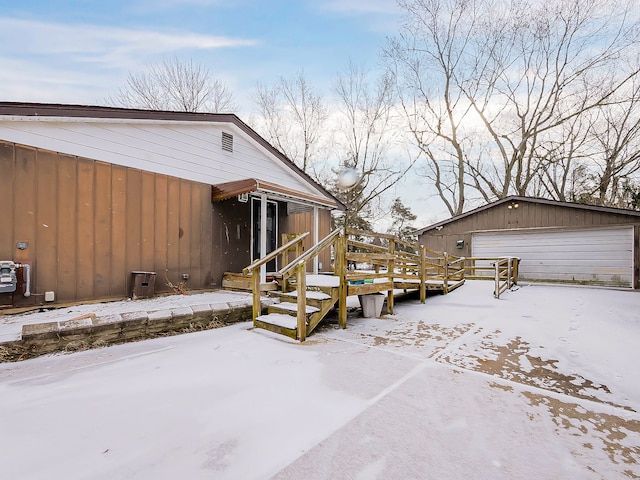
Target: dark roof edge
93 111
516 198
226 190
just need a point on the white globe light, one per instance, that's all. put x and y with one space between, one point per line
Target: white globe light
348 178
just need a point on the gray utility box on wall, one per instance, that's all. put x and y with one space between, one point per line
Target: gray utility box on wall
143 285
8 278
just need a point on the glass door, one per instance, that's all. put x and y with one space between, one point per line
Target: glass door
272 230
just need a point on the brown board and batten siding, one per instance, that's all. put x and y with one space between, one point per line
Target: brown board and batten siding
99 192
231 242
89 224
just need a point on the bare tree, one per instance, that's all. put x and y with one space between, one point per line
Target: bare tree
292 117
617 137
486 84
597 157
177 86
425 58
364 137
564 160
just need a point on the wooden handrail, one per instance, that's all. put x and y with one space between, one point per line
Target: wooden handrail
366 233
473 269
460 259
261 261
287 270
368 246
508 266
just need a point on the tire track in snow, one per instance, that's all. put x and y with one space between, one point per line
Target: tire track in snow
436 359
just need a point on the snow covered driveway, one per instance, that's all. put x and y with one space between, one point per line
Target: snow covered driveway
542 383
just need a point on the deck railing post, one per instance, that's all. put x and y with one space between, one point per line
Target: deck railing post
301 286
255 290
496 290
423 273
446 273
509 272
390 273
341 252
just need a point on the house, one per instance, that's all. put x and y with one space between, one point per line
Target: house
556 241
92 194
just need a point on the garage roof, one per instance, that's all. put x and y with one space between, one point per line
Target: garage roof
516 199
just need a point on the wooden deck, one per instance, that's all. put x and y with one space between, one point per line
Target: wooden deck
363 263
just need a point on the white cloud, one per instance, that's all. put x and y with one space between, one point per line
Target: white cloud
82 63
30 81
380 16
156 5
94 43
362 6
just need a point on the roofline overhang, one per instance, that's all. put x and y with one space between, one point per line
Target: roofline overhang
51 111
227 190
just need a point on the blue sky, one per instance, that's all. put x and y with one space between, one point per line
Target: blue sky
73 51
80 52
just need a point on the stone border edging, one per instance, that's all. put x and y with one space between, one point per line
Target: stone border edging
91 331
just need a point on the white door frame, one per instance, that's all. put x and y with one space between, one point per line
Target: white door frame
263 230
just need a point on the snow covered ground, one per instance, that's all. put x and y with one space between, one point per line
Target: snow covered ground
542 383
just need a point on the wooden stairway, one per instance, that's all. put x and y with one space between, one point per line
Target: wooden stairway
282 317
390 265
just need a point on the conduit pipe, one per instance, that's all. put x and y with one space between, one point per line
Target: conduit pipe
27 278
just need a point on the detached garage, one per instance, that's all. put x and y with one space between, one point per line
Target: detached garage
556 241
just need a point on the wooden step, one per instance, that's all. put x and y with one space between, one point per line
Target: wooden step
311 294
314 288
315 299
320 300
291 309
280 323
321 297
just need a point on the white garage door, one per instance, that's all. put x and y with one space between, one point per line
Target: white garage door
602 256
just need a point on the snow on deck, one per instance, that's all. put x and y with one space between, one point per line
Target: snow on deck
323 280
293 307
311 294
